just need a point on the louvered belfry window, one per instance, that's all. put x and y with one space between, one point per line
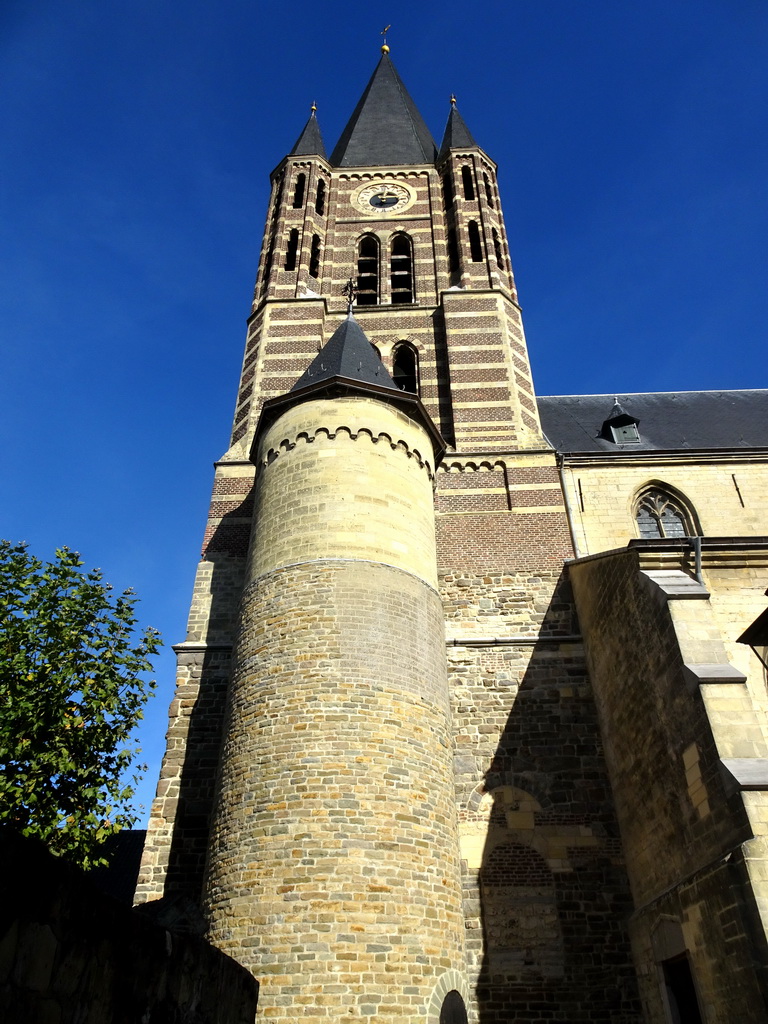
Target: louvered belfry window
401 267
660 515
368 271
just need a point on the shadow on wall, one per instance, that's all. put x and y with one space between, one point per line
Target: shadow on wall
206 674
69 952
551 896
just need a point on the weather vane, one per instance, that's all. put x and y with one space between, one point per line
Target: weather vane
350 291
385 48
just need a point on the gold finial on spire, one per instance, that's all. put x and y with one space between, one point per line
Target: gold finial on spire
453 100
385 48
313 108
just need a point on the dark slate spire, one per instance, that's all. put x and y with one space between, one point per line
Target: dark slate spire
348 354
310 142
456 135
385 128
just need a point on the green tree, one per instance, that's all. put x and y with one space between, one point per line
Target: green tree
72 688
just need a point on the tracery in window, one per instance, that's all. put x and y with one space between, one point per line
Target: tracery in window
368 271
401 269
659 514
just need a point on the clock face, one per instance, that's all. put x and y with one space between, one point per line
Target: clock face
383 197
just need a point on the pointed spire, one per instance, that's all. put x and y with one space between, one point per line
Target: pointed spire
456 135
310 142
348 354
385 128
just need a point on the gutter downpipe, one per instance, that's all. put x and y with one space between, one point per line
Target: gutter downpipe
695 543
568 509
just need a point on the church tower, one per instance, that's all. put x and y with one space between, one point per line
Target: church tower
384 785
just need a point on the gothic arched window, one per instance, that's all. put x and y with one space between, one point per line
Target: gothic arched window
320 197
368 271
405 368
475 246
659 514
401 268
298 192
292 250
466 180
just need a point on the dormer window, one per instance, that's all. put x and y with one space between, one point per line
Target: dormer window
620 427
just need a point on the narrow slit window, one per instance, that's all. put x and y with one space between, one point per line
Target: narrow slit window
453 252
488 190
320 197
292 250
298 192
447 191
475 246
466 180
405 368
314 257
401 269
368 271
497 249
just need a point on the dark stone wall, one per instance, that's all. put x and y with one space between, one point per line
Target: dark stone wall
70 954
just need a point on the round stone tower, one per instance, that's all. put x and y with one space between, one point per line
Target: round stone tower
333 870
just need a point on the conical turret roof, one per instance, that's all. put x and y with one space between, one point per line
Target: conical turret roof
456 135
347 354
385 128
310 142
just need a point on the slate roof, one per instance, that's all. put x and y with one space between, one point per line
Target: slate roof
385 128
310 142
456 134
667 420
348 354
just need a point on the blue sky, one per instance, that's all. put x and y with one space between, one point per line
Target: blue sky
136 141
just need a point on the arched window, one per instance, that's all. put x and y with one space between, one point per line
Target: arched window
298 192
453 1010
314 257
292 250
475 246
466 180
488 190
659 514
368 271
320 197
405 368
401 269
453 252
497 249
